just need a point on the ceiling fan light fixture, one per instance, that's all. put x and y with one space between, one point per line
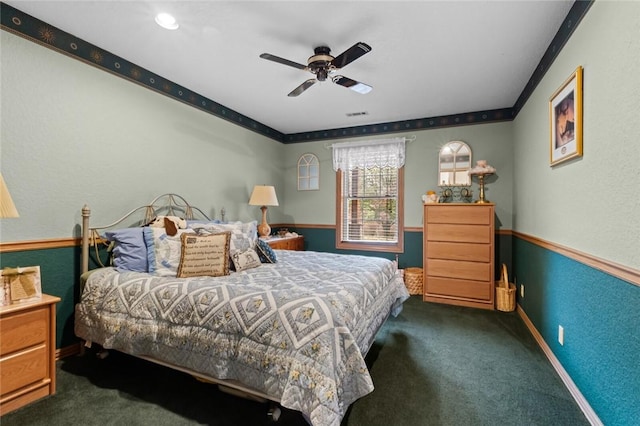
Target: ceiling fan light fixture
167 21
361 88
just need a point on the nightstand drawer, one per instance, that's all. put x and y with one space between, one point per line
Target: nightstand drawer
287 243
22 330
28 343
23 368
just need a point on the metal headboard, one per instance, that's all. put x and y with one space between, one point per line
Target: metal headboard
165 205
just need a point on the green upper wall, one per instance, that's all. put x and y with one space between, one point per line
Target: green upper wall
74 135
590 204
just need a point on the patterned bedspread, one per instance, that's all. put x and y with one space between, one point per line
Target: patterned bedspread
296 330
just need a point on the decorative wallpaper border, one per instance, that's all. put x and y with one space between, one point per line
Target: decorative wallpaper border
24 25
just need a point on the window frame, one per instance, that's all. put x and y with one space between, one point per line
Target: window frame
390 247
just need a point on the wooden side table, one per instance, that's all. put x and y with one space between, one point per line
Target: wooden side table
27 352
286 243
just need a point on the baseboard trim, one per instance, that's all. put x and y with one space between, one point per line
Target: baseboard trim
591 415
68 351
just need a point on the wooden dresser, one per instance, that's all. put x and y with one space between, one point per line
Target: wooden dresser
286 243
459 254
27 352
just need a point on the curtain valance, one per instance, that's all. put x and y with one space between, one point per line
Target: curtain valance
368 154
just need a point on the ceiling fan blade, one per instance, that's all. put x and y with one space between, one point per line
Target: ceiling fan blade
351 54
356 86
283 61
304 86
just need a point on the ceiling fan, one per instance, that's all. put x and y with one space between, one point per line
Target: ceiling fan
323 65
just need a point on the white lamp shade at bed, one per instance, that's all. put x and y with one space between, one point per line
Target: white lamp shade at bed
7 208
263 195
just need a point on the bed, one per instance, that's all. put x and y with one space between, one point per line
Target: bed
294 329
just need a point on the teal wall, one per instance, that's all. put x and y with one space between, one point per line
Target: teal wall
88 137
601 320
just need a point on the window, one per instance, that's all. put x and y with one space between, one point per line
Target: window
369 202
308 172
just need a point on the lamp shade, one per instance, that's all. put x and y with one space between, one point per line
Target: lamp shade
7 208
263 195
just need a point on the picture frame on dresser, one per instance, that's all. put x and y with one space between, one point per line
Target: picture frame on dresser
21 283
565 120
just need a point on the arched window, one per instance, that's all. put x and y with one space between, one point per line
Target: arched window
308 172
454 163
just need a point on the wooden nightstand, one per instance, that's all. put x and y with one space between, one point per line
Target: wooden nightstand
27 352
287 243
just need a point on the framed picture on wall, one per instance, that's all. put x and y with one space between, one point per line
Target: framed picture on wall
565 119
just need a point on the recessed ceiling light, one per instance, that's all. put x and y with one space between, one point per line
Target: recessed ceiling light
167 21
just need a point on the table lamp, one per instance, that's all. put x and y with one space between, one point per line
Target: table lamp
263 195
481 170
7 208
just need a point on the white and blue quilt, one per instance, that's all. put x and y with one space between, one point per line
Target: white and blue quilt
296 330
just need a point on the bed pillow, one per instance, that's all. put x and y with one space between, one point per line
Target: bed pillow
163 251
204 255
194 223
130 250
265 252
247 259
243 235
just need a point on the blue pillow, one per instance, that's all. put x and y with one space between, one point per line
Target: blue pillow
130 251
265 252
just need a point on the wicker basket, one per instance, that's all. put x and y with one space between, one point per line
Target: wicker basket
505 293
413 280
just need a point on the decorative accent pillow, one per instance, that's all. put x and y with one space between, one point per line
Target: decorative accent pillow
265 252
163 251
130 250
204 255
245 259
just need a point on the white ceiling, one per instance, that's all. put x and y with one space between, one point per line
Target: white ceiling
428 58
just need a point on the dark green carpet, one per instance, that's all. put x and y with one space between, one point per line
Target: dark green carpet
433 365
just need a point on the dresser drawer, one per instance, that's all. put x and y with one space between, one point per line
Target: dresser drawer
459 233
479 271
23 368
473 215
467 289
23 329
459 251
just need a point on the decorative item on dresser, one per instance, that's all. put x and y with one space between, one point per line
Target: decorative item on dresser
459 254
295 242
27 352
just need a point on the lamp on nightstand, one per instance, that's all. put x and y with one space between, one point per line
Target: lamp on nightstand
263 195
7 208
